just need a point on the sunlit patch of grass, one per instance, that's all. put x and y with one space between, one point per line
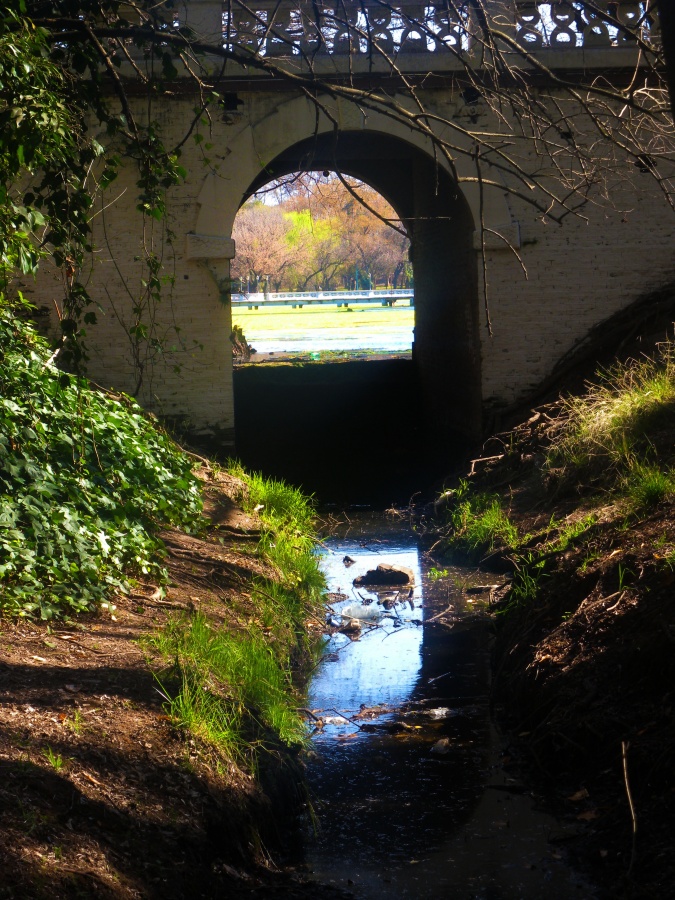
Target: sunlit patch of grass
288 539
570 533
76 723
227 688
478 523
437 574
648 485
276 502
55 760
297 564
233 688
617 421
197 711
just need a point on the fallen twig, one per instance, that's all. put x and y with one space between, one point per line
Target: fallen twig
624 756
440 614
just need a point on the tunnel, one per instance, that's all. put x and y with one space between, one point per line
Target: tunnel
403 414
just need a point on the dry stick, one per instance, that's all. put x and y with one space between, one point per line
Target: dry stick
440 615
624 755
308 712
400 114
482 242
510 246
343 716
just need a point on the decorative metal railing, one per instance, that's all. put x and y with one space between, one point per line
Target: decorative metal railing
347 28
360 28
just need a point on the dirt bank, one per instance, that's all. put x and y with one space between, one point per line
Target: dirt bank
101 795
584 662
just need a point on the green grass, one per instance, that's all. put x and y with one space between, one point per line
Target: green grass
237 690
616 426
525 584
616 442
570 533
286 321
437 574
76 723
55 760
278 504
477 523
647 485
227 688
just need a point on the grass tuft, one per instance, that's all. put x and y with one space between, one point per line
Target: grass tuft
478 523
54 759
234 689
228 688
648 485
617 422
277 503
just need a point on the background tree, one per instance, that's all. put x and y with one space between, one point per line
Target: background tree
263 248
330 232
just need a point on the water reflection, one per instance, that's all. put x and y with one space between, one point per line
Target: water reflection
396 340
382 665
384 797
411 797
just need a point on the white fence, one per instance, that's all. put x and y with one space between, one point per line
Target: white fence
339 298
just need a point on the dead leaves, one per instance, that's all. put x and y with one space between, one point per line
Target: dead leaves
587 815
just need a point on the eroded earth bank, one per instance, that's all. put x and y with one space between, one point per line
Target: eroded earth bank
502 727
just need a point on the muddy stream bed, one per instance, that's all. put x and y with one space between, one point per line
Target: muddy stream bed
413 791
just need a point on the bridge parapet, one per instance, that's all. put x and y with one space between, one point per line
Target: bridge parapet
356 36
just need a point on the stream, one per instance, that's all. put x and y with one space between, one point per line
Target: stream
397 339
412 791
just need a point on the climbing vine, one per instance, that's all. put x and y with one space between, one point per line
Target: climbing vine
52 166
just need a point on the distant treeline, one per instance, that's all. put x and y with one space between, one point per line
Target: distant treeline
319 232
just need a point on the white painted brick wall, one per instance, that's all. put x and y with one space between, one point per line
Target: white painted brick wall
578 275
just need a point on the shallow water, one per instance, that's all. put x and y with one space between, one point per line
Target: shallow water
396 340
411 796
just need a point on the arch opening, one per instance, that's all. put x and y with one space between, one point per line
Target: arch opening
411 412
322 271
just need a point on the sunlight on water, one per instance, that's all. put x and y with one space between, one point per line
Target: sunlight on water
396 340
412 798
382 666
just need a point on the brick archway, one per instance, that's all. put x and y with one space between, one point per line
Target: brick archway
440 225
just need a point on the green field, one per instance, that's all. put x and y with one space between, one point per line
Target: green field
286 321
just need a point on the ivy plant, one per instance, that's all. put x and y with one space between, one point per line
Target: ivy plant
86 481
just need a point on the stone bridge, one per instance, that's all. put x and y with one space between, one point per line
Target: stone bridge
569 277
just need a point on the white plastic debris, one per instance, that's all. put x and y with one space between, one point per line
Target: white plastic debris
363 613
441 712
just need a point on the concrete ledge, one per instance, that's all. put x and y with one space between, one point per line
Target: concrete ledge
209 246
